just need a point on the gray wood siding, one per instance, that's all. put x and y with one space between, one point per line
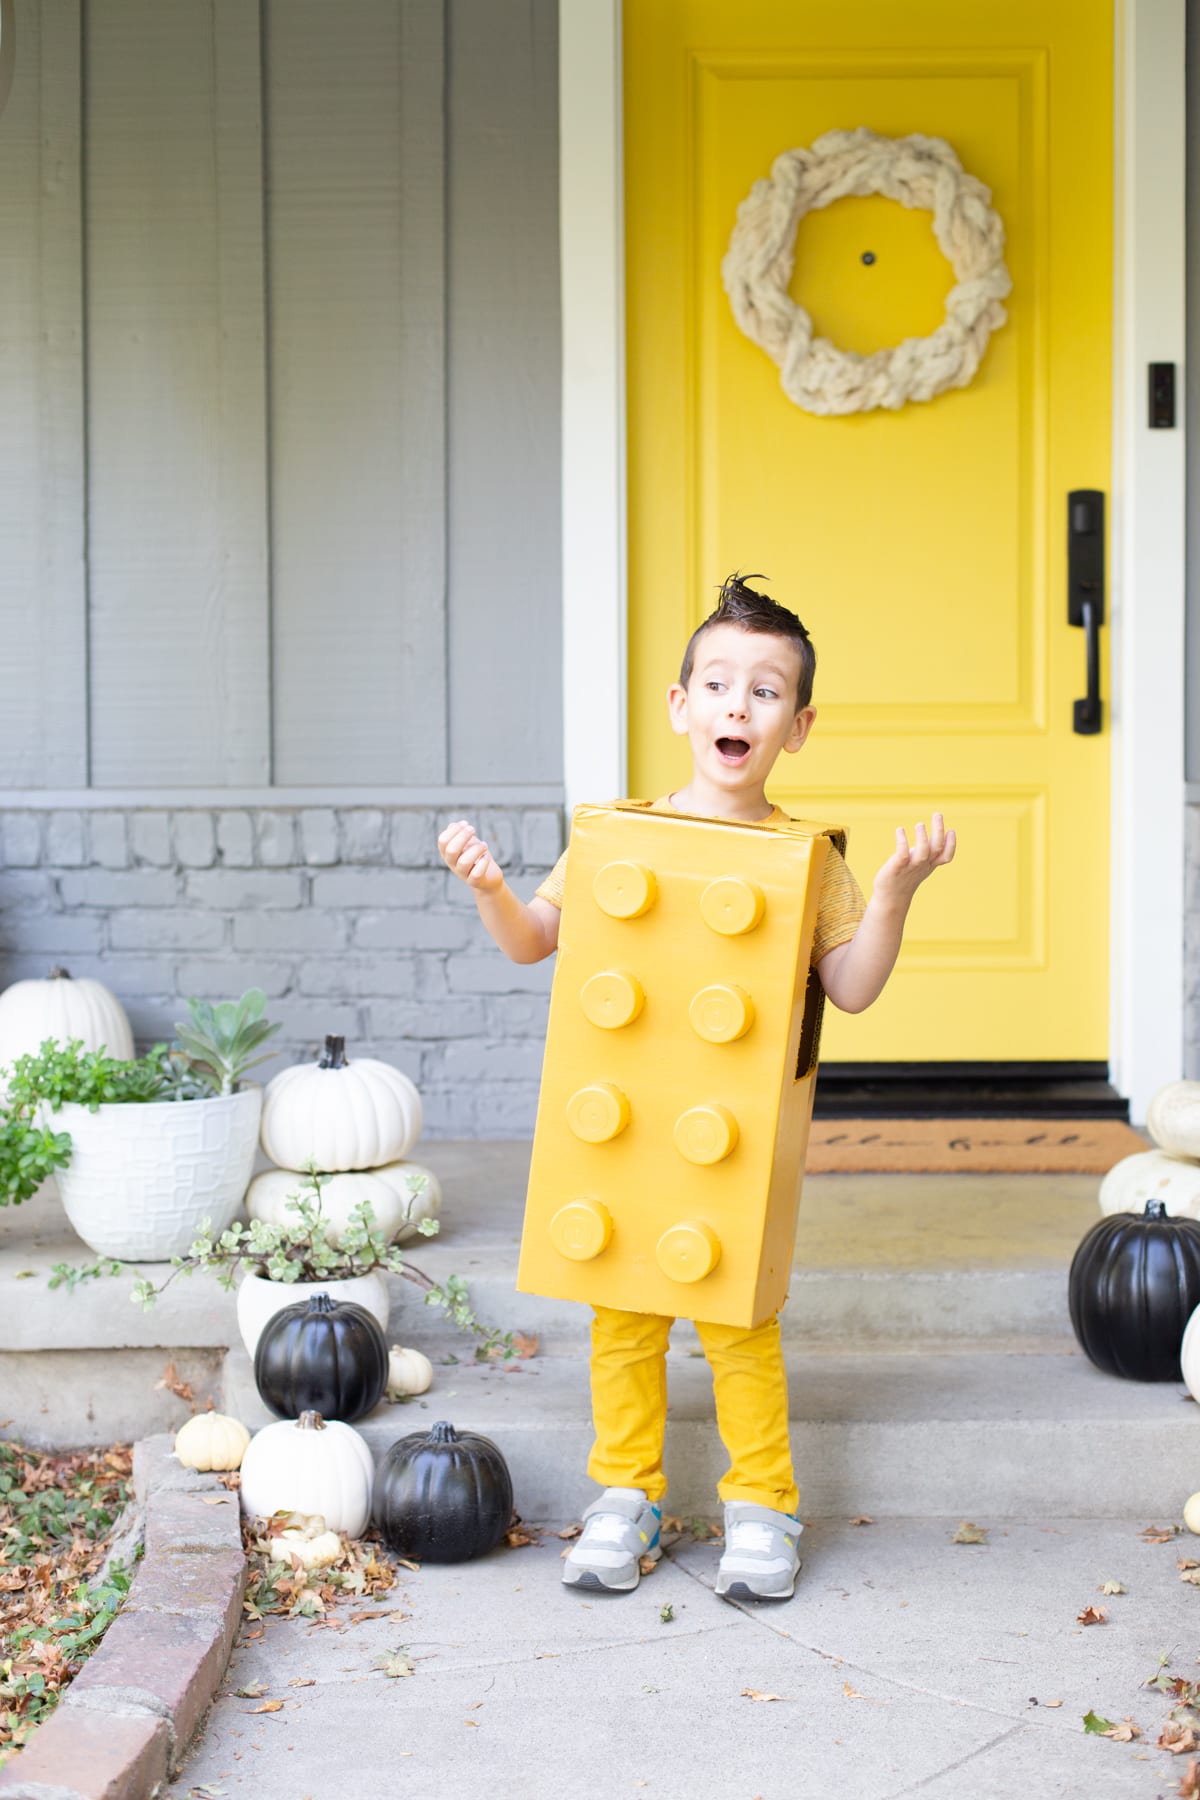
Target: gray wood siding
43 606
503 366
359 580
175 431
279 395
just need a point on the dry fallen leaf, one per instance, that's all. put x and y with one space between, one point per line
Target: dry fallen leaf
395 1663
405 1564
1124 1733
1180 1740
851 1693
253 1690
516 1537
753 1694
1092 1615
1110 1587
302 1681
1189 1784
215 1500
1051 1702
647 1564
574 1531
863 1519
525 1343
1158 1534
268 1706
968 1533
170 1380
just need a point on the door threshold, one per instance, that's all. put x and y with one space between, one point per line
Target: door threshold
967 1090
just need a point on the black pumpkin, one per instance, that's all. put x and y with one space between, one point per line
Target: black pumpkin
1134 1283
440 1497
322 1355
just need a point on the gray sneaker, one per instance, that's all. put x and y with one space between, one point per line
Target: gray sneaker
761 1553
618 1530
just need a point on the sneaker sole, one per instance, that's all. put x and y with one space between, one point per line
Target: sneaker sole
594 1584
740 1591
597 1585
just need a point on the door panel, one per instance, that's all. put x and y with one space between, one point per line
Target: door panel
924 549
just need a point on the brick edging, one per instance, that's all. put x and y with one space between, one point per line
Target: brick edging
129 1714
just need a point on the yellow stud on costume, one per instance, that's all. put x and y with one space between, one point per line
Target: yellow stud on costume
680 1058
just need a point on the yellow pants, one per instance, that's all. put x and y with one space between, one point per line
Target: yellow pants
629 1406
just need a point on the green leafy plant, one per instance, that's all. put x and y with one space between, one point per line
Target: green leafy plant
220 1039
300 1250
216 1047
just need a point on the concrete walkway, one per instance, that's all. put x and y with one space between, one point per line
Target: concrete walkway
906 1664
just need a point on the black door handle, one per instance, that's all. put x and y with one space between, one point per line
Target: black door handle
1085 594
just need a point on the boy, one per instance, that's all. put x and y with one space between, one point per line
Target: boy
744 694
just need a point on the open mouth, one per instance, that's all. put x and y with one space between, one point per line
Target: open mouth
732 749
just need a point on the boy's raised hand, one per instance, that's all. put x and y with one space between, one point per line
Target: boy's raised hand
910 864
469 857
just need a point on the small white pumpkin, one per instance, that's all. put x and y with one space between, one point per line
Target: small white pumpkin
310 1552
309 1465
336 1115
418 1192
1173 1118
270 1194
211 1440
1191 1513
408 1373
1152 1175
32 1011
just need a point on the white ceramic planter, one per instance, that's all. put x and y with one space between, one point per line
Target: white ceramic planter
143 1179
259 1299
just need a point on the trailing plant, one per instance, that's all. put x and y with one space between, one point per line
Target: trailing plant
299 1249
215 1050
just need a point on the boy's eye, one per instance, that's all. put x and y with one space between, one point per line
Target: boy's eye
766 693
714 686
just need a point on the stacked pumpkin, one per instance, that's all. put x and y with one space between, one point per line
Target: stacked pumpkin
354 1123
1171 1171
1134 1285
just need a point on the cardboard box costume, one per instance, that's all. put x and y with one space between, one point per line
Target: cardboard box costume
680 1061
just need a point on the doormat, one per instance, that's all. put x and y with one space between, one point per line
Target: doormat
969 1146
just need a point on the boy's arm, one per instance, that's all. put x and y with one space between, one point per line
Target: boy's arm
527 933
855 973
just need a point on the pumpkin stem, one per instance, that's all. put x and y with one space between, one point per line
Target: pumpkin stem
1155 1209
443 1433
335 1054
322 1303
58 973
310 1421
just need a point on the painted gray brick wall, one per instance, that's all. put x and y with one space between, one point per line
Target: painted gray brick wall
346 918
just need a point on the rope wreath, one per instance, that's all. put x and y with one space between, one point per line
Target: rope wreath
919 172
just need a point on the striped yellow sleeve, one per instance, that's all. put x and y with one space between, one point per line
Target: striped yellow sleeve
552 888
840 907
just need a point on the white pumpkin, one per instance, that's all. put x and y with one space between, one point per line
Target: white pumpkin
310 1552
309 1465
270 1194
408 1373
336 1114
211 1440
418 1191
1191 1513
32 1011
1189 1355
1152 1175
1173 1118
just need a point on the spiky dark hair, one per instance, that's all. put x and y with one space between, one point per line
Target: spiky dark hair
745 607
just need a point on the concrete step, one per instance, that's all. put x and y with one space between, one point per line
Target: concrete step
879 1259
992 1433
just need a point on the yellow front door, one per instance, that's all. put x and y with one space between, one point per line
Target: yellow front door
925 549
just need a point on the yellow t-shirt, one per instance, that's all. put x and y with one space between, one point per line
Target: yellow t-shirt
839 908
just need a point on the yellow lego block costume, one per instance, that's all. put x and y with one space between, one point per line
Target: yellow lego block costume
680 1060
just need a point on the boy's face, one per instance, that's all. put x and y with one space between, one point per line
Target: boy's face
739 707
